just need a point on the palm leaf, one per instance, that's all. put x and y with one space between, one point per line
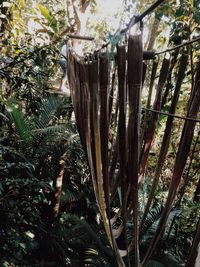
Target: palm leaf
153 216
19 121
69 195
154 263
47 108
52 130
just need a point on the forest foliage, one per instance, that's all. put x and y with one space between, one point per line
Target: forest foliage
48 212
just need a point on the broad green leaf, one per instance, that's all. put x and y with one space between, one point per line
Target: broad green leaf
18 119
44 11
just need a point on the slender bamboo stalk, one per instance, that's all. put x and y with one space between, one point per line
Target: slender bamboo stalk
181 158
186 182
152 125
104 125
121 61
93 80
167 135
153 76
173 62
144 124
135 67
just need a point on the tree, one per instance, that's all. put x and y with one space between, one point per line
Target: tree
48 210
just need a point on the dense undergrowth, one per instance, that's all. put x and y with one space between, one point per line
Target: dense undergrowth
45 224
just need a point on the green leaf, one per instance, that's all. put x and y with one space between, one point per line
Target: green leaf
44 11
50 18
18 119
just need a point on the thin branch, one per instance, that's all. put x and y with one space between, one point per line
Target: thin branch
73 36
80 37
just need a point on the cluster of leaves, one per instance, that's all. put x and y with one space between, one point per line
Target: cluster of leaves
36 131
31 147
26 72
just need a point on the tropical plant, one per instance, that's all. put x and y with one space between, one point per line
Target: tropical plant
127 192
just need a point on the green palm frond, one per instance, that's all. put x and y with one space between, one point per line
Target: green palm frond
69 195
52 130
150 225
153 215
20 123
47 108
48 124
42 126
148 231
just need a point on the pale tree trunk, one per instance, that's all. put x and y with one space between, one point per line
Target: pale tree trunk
81 14
153 34
58 182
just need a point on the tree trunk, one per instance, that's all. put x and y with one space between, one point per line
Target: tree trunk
58 187
153 34
80 16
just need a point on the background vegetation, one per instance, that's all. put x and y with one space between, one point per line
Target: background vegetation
48 212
